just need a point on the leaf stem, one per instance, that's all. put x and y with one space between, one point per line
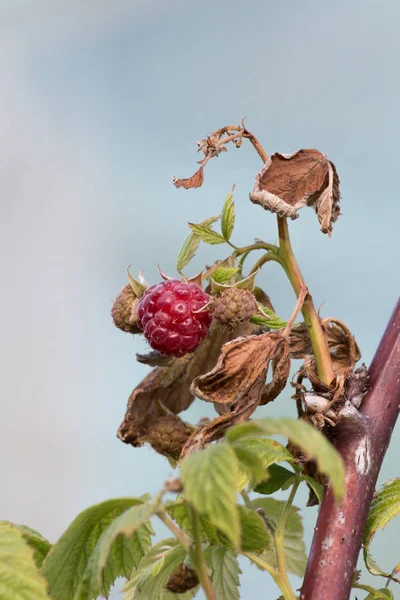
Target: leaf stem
315 330
257 246
246 500
182 537
283 585
263 259
280 532
198 558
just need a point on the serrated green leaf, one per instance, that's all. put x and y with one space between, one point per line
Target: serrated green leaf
270 321
209 480
311 441
251 468
66 562
19 577
384 507
318 488
266 450
190 245
295 550
104 566
154 579
224 275
228 217
278 477
225 572
255 535
206 234
179 512
33 538
149 567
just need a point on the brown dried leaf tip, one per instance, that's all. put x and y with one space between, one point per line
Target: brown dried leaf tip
288 182
194 181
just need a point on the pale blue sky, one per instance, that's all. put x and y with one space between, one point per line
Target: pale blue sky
101 104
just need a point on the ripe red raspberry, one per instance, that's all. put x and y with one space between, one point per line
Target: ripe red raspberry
167 314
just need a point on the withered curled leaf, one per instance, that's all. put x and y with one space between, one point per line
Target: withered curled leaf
344 350
166 389
299 341
169 386
239 365
240 411
280 374
288 182
194 181
237 383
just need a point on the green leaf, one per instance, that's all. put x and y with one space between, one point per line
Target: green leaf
19 577
295 551
224 275
190 245
153 571
209 480
384 507
382 594
318 488
105 564
228 216
251 468
66 562
179 512
255 535
270 321
206 234
225 572
311 441
265 451
33 538
278 477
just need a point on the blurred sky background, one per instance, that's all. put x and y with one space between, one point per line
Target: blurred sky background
101 103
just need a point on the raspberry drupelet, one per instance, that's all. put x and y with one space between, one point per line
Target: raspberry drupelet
168 315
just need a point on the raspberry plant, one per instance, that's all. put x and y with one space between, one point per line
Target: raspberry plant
214 337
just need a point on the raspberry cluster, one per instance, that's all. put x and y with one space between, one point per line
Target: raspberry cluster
168 315
234 306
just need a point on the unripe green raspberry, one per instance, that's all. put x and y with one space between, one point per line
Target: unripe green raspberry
234 306
182 580
124 311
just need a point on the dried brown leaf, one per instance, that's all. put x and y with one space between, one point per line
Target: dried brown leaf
344 350
289 182
280 374
194 181
167 387
239 366
170 386
299 341
241 411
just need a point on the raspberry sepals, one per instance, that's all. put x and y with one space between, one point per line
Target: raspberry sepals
168 313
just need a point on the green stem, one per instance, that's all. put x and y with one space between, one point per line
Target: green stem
182 537
198 558
315 331
263 259
246 500
280 533
283 585
257 246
